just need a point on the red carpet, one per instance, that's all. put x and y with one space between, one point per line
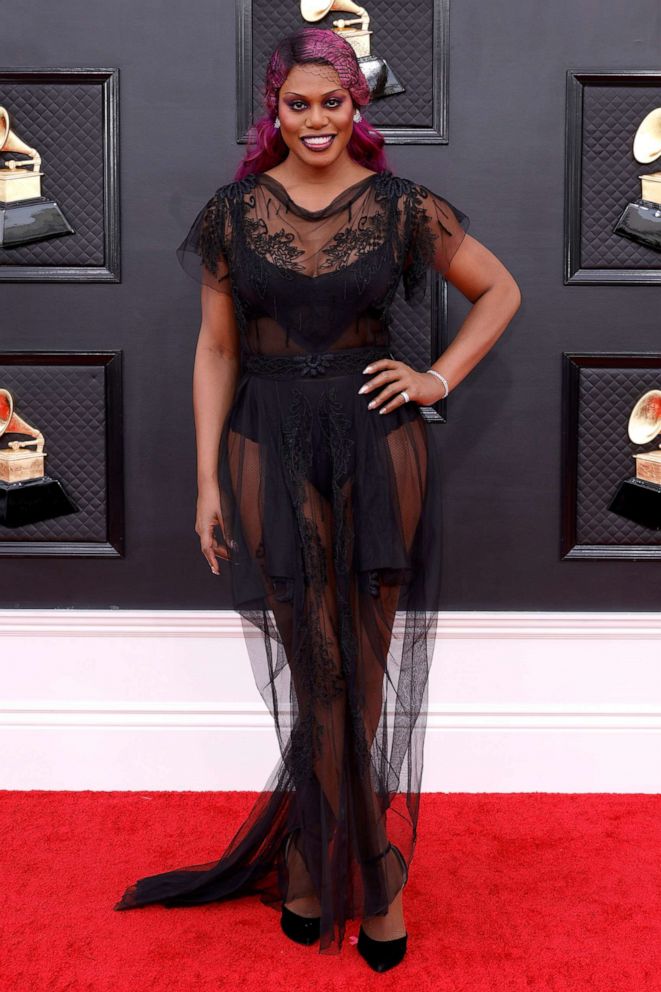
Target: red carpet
530 891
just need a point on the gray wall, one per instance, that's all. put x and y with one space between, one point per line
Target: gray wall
504 166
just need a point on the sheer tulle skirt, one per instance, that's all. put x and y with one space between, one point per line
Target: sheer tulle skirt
334 511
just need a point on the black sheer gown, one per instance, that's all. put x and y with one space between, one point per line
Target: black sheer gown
335 514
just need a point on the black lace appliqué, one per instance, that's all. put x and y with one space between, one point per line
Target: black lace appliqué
421 243
212 233
277 246
314 364
317 662
360 240
416 238
336 427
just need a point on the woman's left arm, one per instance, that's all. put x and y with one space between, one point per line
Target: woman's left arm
483 279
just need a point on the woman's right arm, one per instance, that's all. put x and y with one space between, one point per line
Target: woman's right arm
215 376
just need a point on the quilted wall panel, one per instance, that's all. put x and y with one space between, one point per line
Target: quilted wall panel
67 404
606 398
64 122
416 332
611 115
397 37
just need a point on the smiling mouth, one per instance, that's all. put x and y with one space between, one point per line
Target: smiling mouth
318 140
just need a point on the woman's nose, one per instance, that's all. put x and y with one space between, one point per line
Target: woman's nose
317 118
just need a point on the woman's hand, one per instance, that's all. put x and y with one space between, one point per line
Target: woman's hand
209 516
396 376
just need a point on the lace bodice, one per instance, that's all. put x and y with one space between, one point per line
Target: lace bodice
320 280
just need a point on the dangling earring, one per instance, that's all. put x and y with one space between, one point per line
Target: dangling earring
357 116
276 122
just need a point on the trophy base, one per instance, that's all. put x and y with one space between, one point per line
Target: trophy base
641 222
25 221
381 79
638 501
29 502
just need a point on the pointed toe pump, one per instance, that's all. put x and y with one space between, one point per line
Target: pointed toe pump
302 929
382 955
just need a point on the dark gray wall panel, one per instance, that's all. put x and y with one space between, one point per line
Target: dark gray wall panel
504 166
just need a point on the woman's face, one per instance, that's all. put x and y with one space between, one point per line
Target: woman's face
313 103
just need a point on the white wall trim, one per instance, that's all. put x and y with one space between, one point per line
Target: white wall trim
243 716
165 699
201 623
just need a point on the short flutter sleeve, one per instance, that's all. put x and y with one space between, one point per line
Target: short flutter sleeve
203 252
436 230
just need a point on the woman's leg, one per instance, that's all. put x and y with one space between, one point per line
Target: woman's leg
245 459
377 613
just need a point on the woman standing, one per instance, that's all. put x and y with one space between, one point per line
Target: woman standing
324 481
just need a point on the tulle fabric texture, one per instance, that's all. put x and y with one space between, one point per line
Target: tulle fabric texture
332 514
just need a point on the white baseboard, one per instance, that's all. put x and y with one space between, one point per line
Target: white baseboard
138 699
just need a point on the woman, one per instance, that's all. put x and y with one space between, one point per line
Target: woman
317 467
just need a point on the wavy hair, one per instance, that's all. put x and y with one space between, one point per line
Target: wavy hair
311 46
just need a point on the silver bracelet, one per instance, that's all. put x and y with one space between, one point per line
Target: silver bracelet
443 380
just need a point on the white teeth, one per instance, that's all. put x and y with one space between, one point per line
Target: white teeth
317 141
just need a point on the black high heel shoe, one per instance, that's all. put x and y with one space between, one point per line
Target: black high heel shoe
302 929
381 955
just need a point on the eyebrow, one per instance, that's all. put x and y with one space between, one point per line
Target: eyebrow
294 93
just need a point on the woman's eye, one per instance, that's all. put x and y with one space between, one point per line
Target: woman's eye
295 103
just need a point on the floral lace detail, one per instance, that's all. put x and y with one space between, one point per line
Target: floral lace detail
314 364
389 186
337 430
350 247
366 237
221 221
336 426
276 247
211 245
421 241
416 228
416 240
317 664
296 447
407 232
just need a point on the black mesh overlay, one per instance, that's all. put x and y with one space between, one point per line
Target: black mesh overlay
335 515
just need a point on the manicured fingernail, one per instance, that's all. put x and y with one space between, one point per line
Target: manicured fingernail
382 410
368 368
370 405
363 388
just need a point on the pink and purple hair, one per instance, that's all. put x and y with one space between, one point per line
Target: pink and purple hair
311 46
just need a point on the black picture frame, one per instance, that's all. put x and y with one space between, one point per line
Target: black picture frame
96 244
426 33
603 106
104 403
598 393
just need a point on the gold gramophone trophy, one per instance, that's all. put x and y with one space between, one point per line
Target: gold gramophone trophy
380 77
639 498
27 495
25 215
641 219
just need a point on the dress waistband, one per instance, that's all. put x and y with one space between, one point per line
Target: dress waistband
314 364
